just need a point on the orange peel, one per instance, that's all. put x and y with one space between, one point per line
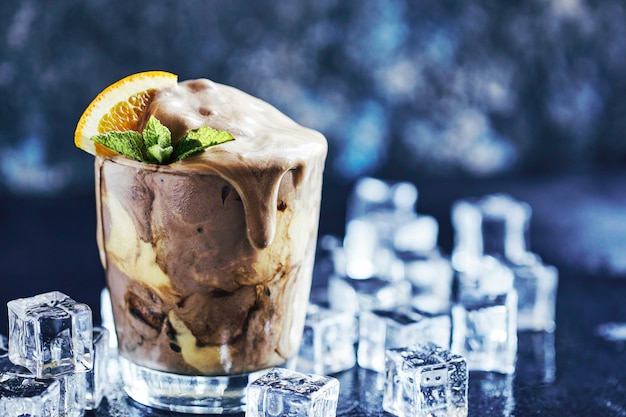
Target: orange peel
119 107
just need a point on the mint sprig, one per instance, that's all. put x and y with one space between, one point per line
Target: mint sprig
154 145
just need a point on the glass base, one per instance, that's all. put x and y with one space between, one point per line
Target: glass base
186 393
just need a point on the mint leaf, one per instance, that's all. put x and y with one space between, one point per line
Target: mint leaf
129 143
199 139
158 140
155 133
155 145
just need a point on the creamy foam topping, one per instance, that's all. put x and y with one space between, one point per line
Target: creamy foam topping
267 145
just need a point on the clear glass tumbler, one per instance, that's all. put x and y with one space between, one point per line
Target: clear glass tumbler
209 277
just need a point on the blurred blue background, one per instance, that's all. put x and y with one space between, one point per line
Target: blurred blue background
412 89
460 97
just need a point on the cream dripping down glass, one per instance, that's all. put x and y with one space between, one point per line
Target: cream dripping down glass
209 259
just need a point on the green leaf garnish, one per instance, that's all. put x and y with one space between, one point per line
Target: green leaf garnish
128 143
154 146
199 139
155 133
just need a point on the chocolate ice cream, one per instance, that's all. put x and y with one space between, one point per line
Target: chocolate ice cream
209 259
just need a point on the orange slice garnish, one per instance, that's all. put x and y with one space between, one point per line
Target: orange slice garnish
119 107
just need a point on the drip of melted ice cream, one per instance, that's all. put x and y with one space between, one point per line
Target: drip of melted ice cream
209 259
267 144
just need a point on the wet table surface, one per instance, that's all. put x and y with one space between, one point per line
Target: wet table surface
40 255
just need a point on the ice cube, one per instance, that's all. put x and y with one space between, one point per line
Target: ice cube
497 225
327 341
356 295
50 334
281 392
536 285
27 396
380 330
425 381
72 386
97 377
484 330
